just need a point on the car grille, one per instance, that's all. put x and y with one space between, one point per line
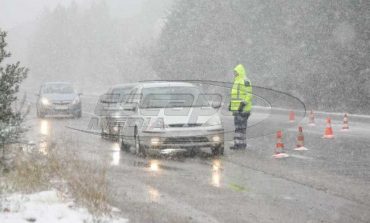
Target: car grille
61 102
183 125
185 140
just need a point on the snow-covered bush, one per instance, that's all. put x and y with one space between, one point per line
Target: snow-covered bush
36 170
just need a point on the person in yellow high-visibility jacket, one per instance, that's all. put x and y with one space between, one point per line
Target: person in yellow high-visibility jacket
240 105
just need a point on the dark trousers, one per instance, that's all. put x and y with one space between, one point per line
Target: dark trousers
240 122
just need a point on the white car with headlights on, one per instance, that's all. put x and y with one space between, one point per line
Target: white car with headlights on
170 117
58 98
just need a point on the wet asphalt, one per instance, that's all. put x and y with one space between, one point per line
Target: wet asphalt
327 183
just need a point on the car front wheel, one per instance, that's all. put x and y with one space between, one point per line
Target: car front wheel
40 114
124 146
218 150
78 114
139 149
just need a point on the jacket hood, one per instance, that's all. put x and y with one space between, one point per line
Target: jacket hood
240 70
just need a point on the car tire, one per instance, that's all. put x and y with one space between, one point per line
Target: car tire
218 150
79 114
139 149
192 153
123 146
103 134
109 136
40 114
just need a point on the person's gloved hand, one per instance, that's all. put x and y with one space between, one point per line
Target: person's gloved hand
230 106
242 106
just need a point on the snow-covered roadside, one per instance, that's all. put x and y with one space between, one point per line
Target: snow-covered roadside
46 207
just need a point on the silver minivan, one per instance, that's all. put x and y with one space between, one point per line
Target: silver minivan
170 117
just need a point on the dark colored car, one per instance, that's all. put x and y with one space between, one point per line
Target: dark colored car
58 98
109 109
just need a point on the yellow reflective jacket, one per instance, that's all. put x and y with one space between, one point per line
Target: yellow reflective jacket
241 91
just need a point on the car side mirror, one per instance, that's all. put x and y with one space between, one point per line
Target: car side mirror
102 99
216 104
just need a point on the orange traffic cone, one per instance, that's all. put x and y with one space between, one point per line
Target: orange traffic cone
311 119
291 116
345 123
328 130
279 148
300 140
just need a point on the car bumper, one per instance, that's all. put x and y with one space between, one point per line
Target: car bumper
70 109
112 125
175 142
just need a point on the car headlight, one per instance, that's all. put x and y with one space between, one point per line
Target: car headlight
158 124
216 139
155 141
45 101
115 128
213 121
76 100
116 115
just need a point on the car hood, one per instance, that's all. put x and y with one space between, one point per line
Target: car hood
178 116
60 97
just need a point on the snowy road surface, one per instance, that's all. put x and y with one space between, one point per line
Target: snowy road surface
327 183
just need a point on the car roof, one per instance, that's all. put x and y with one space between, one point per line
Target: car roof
53 83
166 84
124 85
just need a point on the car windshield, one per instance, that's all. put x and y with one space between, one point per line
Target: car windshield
171 97
121 91
116 95
58 89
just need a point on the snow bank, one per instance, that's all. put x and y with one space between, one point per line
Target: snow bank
46 207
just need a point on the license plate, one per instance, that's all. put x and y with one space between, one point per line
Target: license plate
61 107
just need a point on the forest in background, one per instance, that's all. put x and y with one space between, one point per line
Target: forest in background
87 45
318 51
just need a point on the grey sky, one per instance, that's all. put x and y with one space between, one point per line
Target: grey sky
18 12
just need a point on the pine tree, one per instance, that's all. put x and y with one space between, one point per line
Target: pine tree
11 115
313 50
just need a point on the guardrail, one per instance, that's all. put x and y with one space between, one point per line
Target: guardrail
318 114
